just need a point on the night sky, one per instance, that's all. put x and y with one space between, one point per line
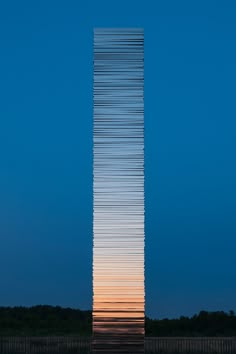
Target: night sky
46 81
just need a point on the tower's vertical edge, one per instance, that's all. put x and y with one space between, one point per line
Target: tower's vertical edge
118 191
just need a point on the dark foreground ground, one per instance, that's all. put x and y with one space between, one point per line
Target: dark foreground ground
82 345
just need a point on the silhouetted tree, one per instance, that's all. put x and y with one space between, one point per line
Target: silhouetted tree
54 320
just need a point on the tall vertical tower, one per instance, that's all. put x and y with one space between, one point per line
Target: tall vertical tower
118 191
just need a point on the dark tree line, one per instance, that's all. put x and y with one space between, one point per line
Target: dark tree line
54 320
44 320
205 324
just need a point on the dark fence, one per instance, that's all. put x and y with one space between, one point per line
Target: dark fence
50 345
225 345
82 345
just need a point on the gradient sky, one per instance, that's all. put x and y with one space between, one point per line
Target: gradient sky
46 73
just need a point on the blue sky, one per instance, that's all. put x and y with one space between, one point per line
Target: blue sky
46 78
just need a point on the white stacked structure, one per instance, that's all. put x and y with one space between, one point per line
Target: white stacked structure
118 190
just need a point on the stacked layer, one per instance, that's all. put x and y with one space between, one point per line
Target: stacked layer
118 227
